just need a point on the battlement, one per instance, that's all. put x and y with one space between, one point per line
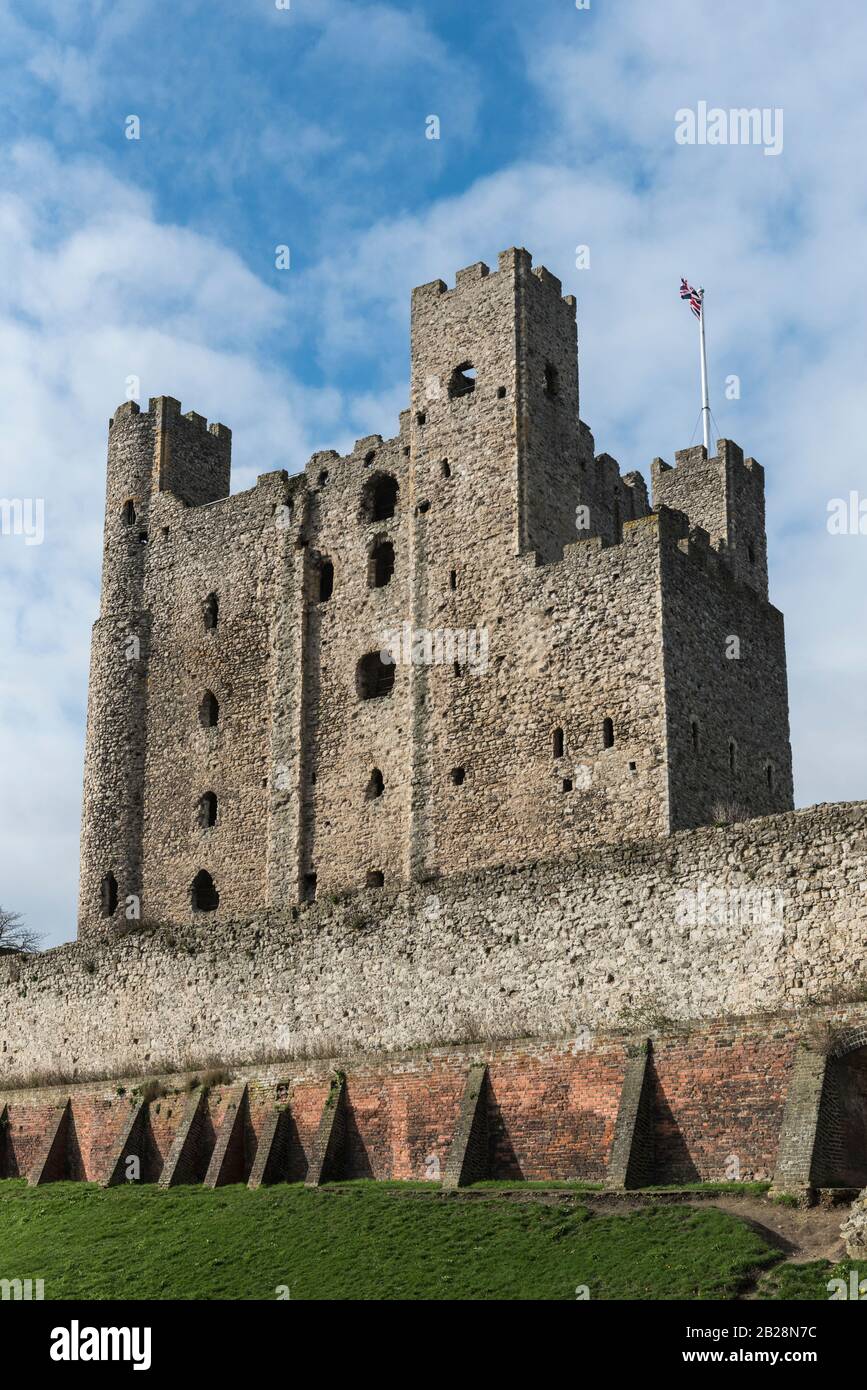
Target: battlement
559 677
516 261
724 494
163 410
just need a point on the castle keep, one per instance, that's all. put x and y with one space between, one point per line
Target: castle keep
525 899
569 667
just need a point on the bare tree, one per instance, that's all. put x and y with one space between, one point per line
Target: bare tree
14 936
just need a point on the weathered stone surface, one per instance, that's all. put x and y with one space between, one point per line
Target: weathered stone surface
854 1229
571 668
602 939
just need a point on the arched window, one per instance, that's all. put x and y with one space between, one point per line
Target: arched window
462 381
207 810
379 497
552 380
209 711
380 565
557 743
375 786
108 895
607 733
326 580
211 612
203 893
374 677
128 513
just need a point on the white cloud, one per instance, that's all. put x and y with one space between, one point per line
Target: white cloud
96 286
96 289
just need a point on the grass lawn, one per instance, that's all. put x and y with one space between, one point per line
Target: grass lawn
807 1281
363 1241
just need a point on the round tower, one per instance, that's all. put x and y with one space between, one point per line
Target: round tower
110 874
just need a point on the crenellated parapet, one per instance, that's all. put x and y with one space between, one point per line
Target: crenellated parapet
565 667
725 495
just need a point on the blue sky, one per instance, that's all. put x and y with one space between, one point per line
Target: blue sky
259 127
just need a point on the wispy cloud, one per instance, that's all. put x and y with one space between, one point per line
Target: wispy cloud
156 260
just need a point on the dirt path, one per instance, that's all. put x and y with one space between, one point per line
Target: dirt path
803 1234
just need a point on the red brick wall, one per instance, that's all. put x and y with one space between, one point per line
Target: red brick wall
718 1091
718 1104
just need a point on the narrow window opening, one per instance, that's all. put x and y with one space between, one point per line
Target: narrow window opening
446 468
379 498
751 554
453 580
308 888
633 767
501 393
695 735
209 711
558 743
374 677
380 565
143 537
462 381
375 786
375 878
128 513
323 478
607 733
567 784
457 668
108 895
326 580
458 776
552 380
207 810
203 893
211 612
420 418
769 777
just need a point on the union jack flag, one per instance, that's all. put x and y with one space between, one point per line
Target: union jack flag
694 297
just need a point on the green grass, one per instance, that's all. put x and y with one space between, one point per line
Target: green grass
362 1241
806 1281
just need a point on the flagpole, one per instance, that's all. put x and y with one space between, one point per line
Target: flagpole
705 407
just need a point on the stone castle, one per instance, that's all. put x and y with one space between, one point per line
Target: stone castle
438 812
568 667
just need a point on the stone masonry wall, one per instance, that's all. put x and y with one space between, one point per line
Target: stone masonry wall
765 916
559 678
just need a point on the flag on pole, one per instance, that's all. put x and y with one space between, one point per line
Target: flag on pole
696 304
694 297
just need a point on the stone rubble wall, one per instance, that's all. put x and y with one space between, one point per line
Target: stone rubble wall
635 937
